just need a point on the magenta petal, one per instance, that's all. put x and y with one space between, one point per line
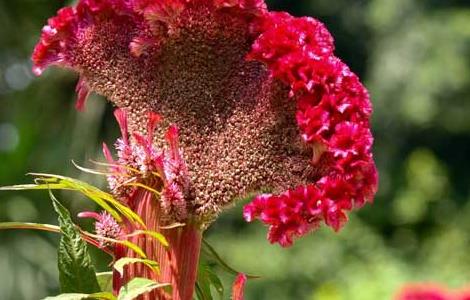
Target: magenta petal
238 287
82 94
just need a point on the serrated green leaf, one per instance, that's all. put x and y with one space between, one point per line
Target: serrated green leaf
74 296
105 281
76 271
119 265
139 286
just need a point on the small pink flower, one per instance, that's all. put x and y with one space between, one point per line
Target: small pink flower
105 225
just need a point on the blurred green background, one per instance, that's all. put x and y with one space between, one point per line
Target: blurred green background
413 55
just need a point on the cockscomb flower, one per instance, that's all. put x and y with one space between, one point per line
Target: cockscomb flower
245 100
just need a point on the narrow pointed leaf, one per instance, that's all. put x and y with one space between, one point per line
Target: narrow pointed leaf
215 282
90 171
203 283
158 236
73 296
119 265
125 243
88 237
134 248
206 279
25 225
103 199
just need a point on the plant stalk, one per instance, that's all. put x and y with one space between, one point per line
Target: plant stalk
178 263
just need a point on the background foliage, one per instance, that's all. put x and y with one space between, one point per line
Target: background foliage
414 57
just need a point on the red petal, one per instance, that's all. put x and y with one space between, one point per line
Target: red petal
83 92
238 287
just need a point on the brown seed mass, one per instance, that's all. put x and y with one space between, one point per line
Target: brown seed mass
237 125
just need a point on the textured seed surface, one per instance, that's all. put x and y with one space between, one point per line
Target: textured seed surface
237 126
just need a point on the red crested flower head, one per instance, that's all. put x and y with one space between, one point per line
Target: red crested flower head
218 99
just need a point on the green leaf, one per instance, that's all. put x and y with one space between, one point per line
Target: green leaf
73 296
103 199
206 278
125 243
215 282
209 252
203 285
139 286
119 265
26 225
76 271
88 237
134 248
105 281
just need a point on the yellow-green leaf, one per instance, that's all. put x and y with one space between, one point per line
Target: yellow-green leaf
156 235
74 296
119 265
139 286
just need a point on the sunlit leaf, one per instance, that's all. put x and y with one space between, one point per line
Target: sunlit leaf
88 237
125 243
139 286
90 171
173 225
103 199
73 296
144 186
105 281
25 225
119 265
134 248
156 235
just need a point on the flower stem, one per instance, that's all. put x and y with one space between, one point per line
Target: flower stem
178 263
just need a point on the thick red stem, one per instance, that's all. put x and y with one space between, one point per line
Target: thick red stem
178 263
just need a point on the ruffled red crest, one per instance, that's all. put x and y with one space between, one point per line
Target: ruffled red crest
333 110
52 47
